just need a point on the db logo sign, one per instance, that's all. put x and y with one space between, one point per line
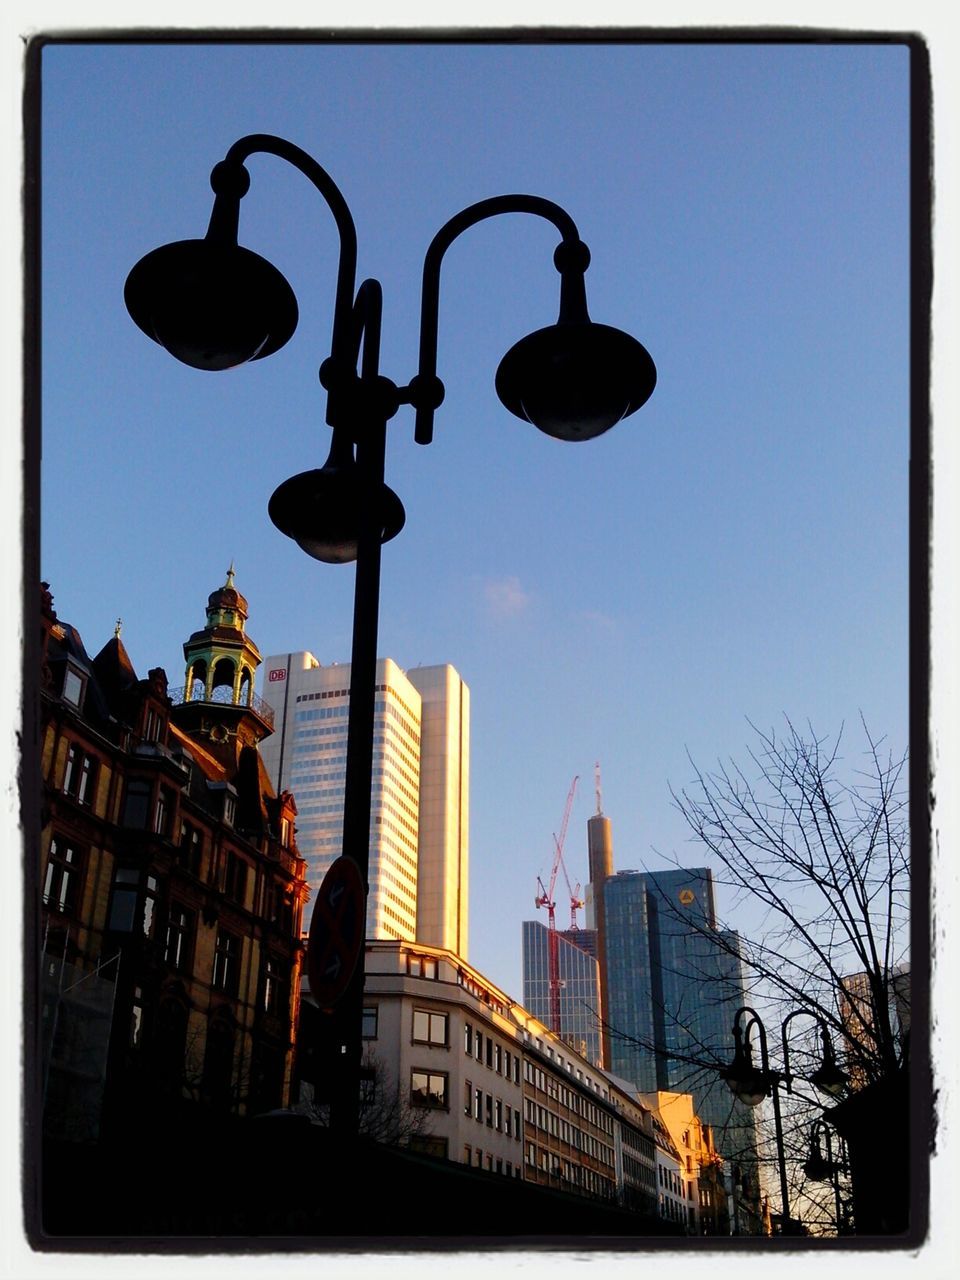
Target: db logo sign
277 674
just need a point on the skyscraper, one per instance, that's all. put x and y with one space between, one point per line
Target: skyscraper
674 982
420 799
579 976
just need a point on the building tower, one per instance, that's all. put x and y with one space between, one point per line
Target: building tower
674 982
600 863
420 802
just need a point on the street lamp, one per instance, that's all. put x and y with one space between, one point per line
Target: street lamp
828 1077
214 304
824 1168
751 1084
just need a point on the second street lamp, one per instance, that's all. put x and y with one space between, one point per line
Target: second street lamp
214 304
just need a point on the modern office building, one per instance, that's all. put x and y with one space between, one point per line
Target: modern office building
674 982
420 803
579 975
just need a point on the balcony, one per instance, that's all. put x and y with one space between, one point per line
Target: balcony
223 696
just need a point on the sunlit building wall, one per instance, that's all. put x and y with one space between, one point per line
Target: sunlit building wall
419 846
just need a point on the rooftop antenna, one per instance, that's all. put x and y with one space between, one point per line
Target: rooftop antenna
596 784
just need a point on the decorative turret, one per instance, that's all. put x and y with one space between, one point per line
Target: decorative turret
217 701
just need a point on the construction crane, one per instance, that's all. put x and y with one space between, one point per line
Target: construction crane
546 899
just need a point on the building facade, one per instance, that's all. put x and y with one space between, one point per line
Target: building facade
419 840
674 983
579 975
470 1076
171 888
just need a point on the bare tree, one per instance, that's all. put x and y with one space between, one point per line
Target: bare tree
826 858
386 1114
817 848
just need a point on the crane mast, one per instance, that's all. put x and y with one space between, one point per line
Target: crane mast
546 899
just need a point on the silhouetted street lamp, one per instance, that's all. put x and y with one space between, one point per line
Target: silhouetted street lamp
214 304
751 1084
823 1168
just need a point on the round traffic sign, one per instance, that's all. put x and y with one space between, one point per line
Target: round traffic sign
336 932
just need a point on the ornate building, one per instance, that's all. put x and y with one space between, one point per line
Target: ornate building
171 887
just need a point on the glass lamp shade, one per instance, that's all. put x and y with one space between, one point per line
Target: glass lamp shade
321 510
829 1079
576 380
750 1088
212 305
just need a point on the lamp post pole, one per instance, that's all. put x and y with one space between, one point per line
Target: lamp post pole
213 304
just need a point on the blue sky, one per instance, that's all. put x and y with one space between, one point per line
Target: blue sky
735 550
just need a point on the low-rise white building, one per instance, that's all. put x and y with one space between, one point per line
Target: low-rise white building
473 1077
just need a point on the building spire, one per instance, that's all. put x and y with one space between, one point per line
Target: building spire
596 785
118 628
231 574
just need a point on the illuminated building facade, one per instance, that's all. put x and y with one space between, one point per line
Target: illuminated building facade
419 846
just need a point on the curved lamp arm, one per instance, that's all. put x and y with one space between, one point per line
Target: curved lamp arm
571 258
226 210
828 1077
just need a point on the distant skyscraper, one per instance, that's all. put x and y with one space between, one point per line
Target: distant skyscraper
674 983
420 798
579 984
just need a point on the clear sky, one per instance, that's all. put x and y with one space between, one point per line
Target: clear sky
735 550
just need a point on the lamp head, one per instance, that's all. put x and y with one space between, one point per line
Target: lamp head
746 1083
321 509
829 1079
211 303
576 380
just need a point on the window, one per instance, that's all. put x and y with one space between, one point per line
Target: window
235 878
127 910
467 1098
489 1052
149 906
61 885
72 687
126 896
226 963
274 987
467 1153
179 933
516 1125
429 1027
368 1087
80 774
368 1028
428 1089
478 1104
191 848
164 812
136 803
496 1059
498 1115
136 1018
478 1047
488 1112
467 1039
506 1063
422 966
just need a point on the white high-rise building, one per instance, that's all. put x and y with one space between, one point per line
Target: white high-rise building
420 799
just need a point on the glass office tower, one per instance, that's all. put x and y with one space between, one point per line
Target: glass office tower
579 975
674 983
